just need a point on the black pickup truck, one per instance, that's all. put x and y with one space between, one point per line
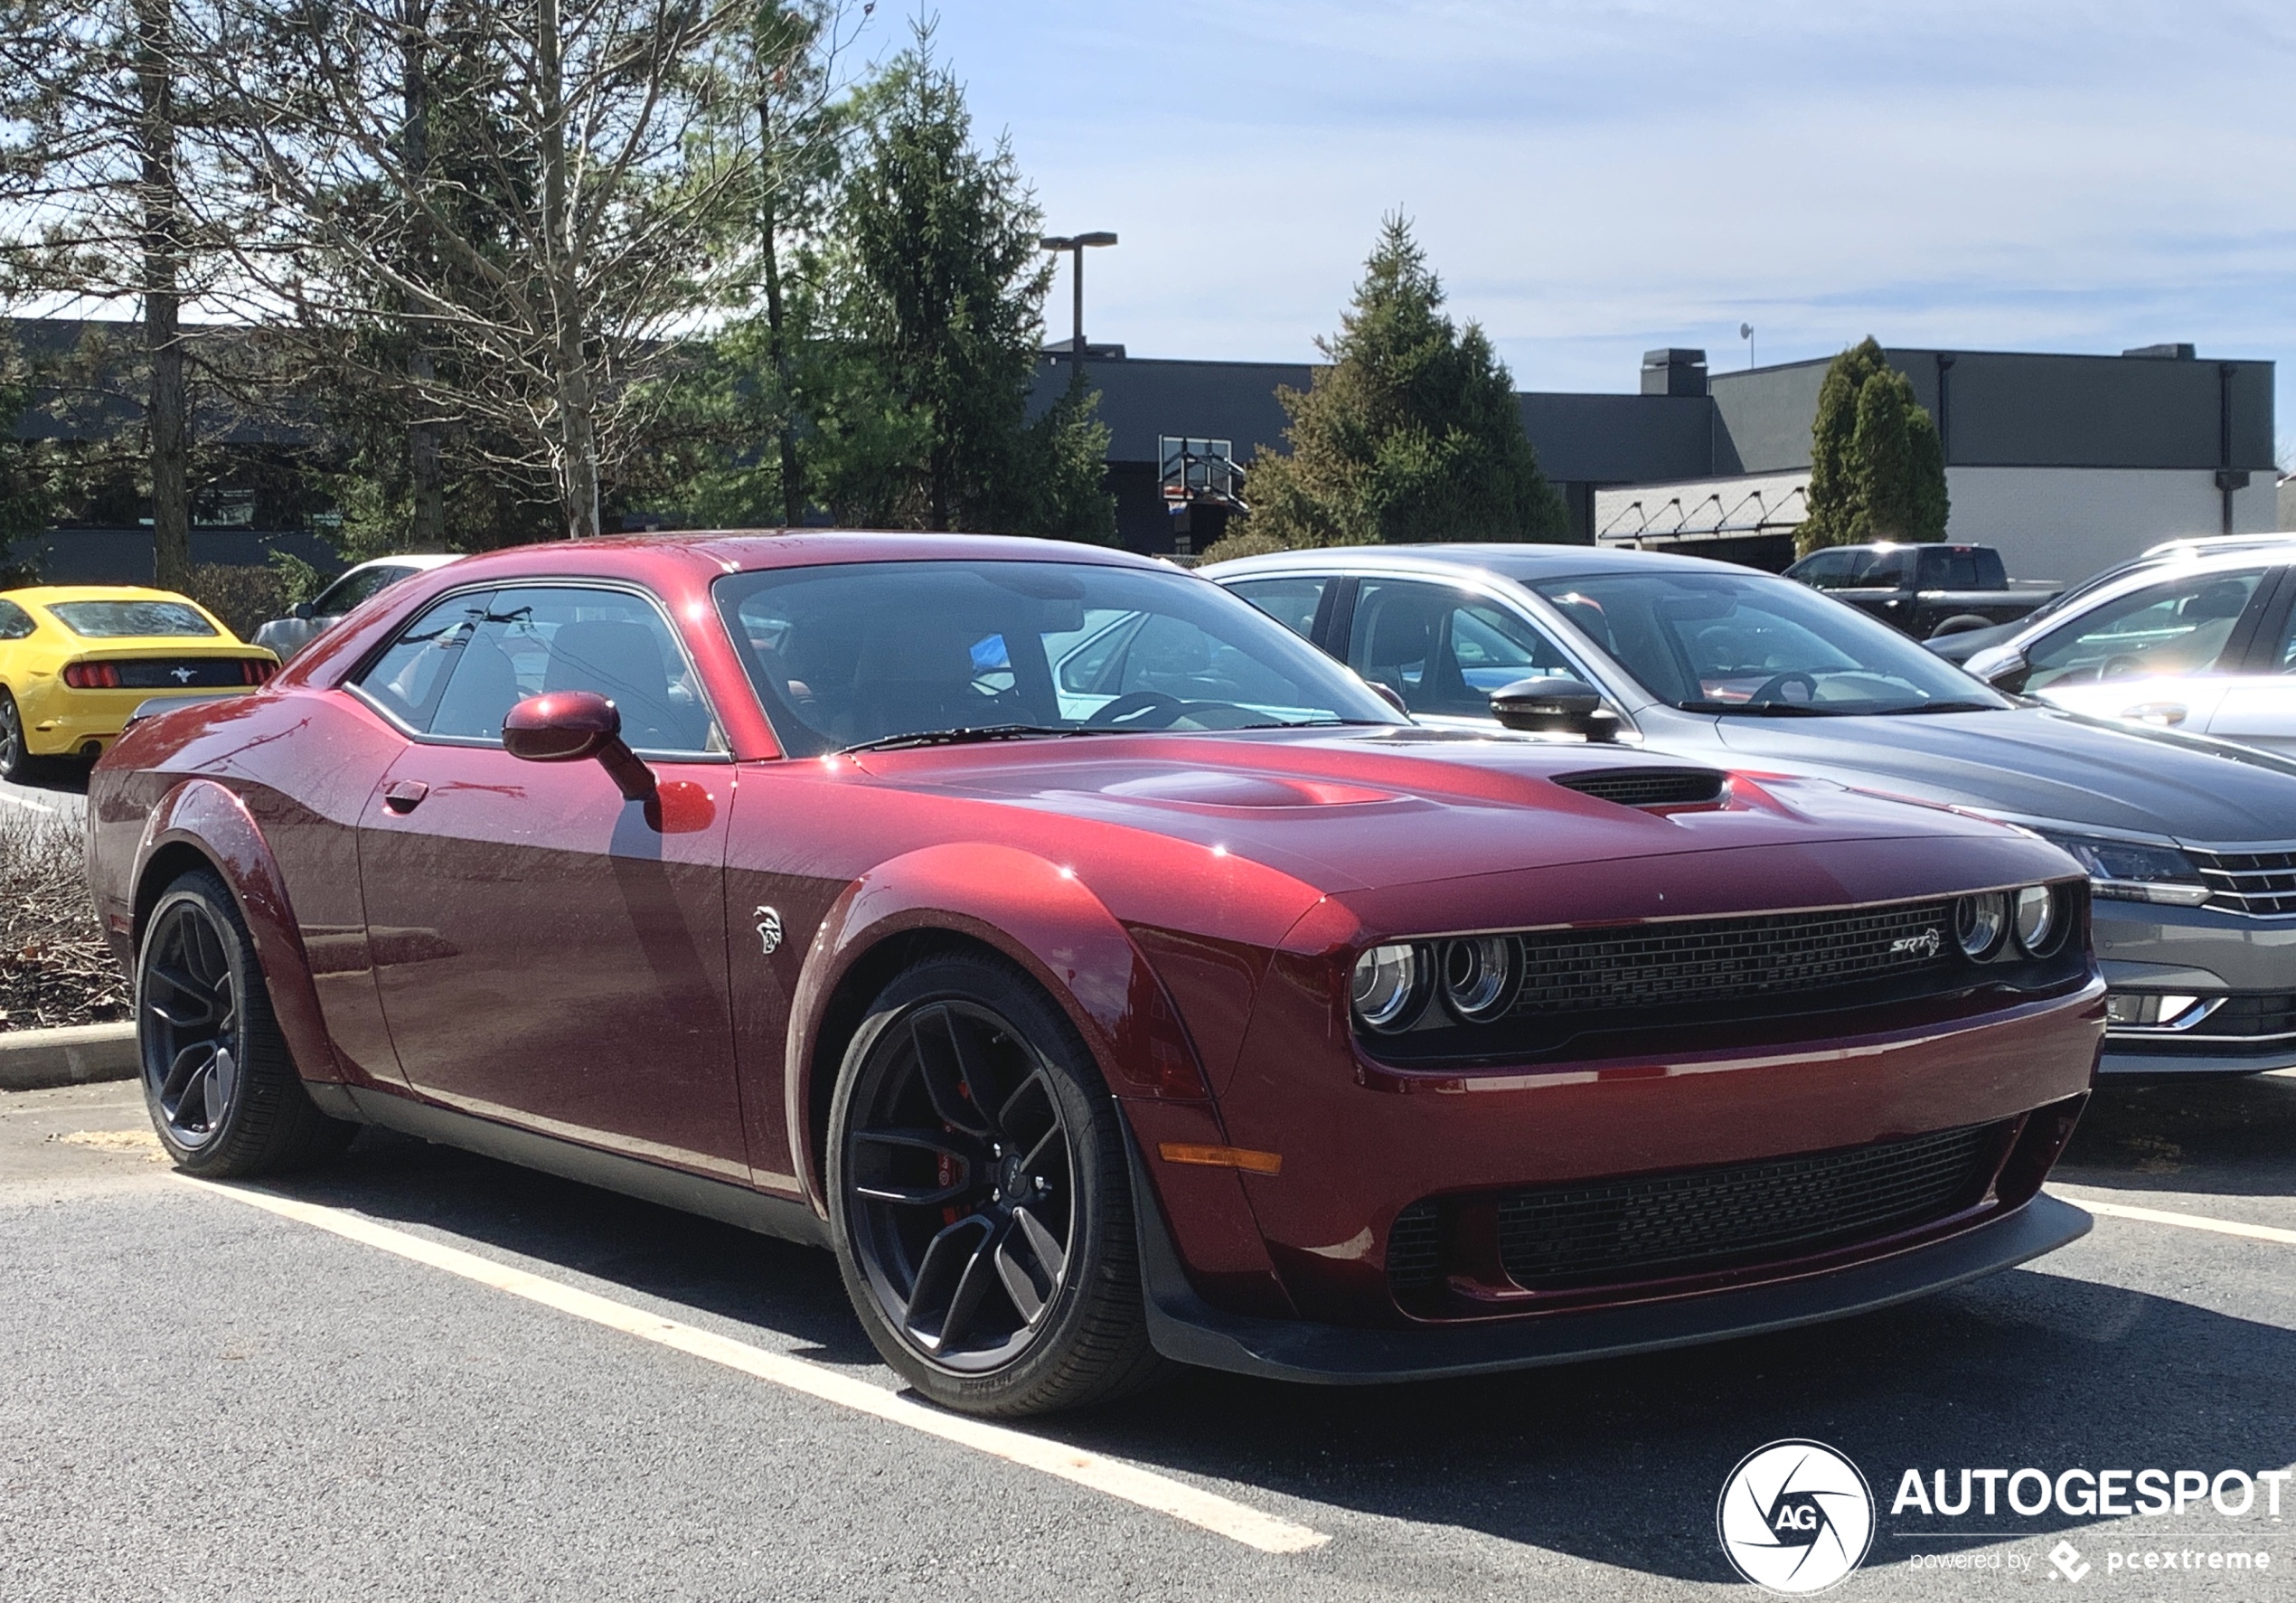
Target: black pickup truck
1927 591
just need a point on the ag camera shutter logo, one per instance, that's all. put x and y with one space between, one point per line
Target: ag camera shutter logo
1795 1517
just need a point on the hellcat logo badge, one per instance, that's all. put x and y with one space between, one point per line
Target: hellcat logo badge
769 929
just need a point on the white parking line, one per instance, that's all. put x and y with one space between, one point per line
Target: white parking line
19 801
1115 1479
2191 1222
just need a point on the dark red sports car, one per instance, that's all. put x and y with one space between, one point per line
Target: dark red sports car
1105 975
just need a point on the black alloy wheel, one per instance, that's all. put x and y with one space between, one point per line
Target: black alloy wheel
222 1091
983 1202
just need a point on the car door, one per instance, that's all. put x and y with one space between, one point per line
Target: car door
1301 602
1445 648
2153 653
548 953
2258 706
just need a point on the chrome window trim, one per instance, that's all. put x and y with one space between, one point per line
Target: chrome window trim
355 681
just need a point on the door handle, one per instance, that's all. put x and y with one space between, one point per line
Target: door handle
404 795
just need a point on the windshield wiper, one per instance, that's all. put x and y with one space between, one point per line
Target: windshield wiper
1937 707
1762 708
977 735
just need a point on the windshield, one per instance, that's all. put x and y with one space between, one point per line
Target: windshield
113 620
857 653
1724 642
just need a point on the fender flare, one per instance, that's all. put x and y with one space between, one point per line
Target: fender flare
1032 912
213 821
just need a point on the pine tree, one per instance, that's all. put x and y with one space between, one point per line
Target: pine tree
1876 463
1412 433
916 391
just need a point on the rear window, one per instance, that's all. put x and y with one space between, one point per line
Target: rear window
113 620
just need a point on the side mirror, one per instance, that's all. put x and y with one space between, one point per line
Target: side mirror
575 726
1554 704
303 611
2003 667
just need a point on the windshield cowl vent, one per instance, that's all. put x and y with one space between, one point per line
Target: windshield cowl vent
1650 788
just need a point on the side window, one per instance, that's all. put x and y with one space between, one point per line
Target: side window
2173 628
352 588
1441 650
2280 657
1291 603
408 679
1882 571
535 639
16 623
1826 570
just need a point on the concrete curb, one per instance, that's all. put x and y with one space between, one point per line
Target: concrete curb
37 1060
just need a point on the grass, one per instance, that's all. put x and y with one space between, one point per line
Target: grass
55 966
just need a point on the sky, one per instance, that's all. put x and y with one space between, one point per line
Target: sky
1596 179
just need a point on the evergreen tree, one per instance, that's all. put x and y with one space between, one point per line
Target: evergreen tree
915 389
1413 432
1876 463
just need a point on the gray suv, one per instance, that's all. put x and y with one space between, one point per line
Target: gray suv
2190 844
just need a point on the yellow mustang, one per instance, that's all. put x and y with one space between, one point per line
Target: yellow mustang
77 659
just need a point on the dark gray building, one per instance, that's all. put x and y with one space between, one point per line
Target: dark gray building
2067 462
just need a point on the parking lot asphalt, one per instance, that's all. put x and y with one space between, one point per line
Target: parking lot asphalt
55 790
205 1400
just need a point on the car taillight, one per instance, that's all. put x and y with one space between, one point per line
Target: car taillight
253 671
92 675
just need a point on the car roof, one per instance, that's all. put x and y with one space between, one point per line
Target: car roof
738 551
47 595
1526 563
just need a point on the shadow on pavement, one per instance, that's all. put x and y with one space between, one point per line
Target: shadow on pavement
1620 1462
2234 1135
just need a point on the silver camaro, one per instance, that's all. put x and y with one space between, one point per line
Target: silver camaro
2190 844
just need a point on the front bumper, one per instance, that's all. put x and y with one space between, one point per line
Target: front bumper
1186 1329
2204 951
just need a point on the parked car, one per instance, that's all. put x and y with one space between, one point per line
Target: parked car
1104 974
288 635
2203 644
2190 842
1923 590
77 660
1965 644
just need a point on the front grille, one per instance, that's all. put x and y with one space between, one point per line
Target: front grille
1648 788
1415 1247
2258 883
2257 1024
1721 960
1621 1230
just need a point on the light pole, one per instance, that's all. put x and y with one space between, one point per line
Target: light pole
1077 245
1745 333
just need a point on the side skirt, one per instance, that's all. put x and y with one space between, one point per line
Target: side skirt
732 1204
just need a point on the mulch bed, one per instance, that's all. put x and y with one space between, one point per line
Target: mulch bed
55 966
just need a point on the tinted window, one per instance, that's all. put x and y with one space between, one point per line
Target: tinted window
1882 571
1722 642
1826 570
111 620
1444 651
2173 628
851 653
353 587
1291 603
16 623
1961 568
460 666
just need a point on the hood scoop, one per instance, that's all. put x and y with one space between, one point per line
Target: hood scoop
1227 790
1650 788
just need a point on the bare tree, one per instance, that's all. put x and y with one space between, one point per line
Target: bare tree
92 203
545 195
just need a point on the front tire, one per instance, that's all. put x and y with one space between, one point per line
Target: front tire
223 1093
980 1202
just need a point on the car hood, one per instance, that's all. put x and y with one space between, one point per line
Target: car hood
1350 810
2039 763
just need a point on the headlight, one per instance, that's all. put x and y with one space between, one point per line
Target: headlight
1980 922
1385 985
2037 920
2131 870
1481 974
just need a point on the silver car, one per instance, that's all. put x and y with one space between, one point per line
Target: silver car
2204 644
286 636
2190 844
